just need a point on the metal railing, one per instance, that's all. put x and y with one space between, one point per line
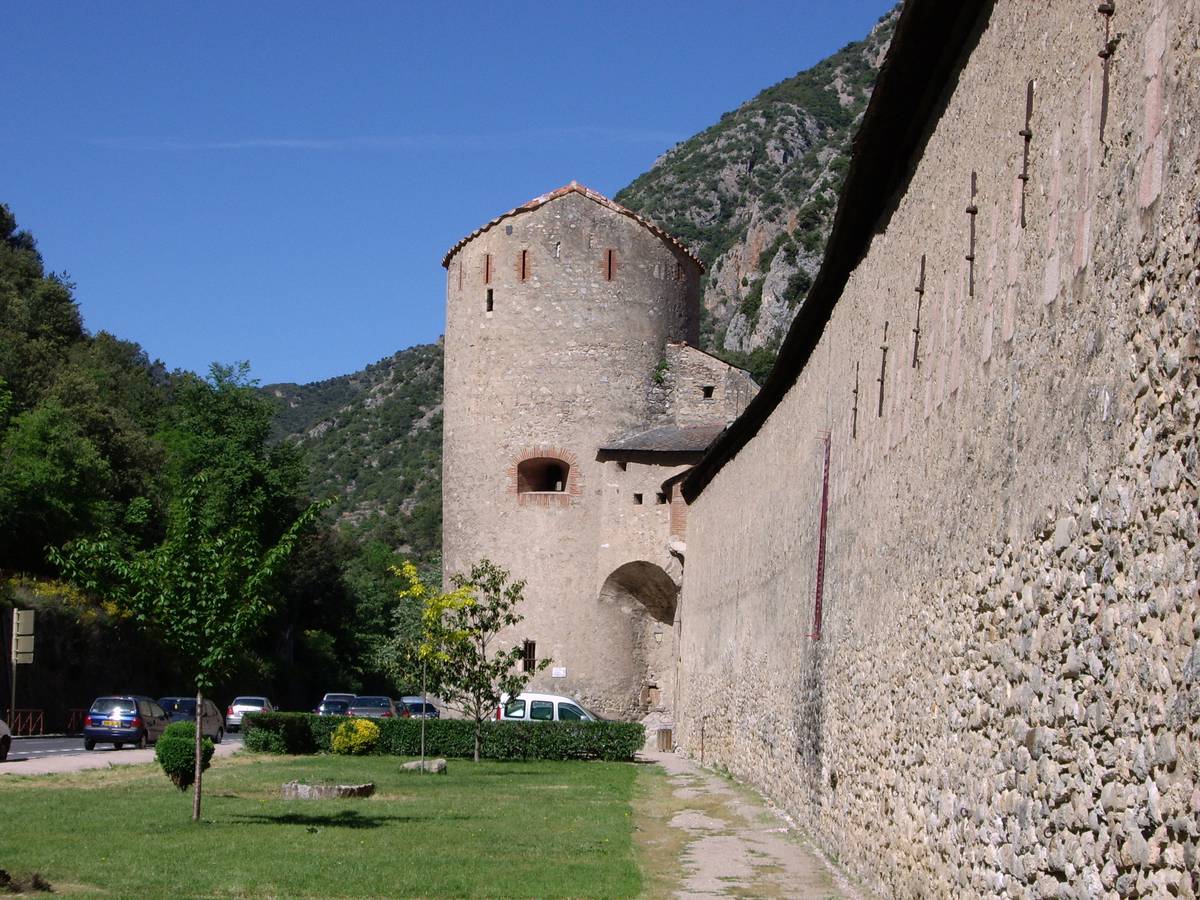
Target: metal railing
75 719
26 721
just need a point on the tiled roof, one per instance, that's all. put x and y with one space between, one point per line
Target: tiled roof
573 188
665 439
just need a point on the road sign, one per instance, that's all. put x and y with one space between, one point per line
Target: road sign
22 639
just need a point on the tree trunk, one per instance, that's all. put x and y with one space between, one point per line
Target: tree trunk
478 732
199 755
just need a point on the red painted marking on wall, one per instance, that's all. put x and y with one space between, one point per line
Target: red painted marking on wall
820 595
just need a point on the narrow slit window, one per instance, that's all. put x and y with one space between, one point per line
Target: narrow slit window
490 299
637 499
487 268
557 248
707 391
529 656
460 274
524 265
661 498
678 271
610 264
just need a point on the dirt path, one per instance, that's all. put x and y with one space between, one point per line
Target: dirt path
702 835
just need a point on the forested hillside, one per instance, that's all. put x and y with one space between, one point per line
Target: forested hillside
754 196
99 441
373 441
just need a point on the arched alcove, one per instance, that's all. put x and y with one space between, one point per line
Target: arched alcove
638 600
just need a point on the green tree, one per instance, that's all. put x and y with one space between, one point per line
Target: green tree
459 632
204 590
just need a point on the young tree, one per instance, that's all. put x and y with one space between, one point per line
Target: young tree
204 590
458 635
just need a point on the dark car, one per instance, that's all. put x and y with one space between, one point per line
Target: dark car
183 709
333 708
123 719
373 708
415 708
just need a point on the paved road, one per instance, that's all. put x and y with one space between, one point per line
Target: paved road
42 748
42 756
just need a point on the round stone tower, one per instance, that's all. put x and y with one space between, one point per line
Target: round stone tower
557 317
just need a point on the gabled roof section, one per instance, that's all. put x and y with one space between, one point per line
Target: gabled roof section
574 188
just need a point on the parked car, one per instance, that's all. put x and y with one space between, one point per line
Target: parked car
123 719
349 698
333 708
5 741
416 708
242 705
183 709
529 707
373 708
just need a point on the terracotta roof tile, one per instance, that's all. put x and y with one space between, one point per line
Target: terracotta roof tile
573 188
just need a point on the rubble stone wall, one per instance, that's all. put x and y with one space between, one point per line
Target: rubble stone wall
1005 694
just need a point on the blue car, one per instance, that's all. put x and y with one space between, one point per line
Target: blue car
123 719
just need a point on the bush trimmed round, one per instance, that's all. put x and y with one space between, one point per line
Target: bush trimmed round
176 753
356 736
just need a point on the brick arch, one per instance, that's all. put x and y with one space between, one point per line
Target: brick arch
573 490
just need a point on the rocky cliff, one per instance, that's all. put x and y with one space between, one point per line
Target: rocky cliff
755 194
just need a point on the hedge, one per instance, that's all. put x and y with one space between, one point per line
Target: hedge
304 733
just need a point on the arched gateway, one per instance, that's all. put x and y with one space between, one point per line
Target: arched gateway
639 600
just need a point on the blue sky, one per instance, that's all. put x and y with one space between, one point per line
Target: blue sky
277 182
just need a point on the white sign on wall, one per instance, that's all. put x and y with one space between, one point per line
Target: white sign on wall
558 672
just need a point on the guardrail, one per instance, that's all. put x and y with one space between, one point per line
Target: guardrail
26 721
75 719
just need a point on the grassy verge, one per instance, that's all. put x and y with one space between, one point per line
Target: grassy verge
545 829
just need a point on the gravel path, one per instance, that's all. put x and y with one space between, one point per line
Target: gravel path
735 845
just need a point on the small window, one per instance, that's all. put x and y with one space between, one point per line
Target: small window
557 248
637 499
523 265
460 267
514 709
542 710
529 656
487 268
707 391
678 271
569 712
508 229
490 300
610 264
660 498
543 475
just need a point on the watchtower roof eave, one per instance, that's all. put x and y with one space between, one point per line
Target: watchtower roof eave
574 188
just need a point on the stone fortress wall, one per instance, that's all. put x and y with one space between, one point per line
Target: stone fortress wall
1005 693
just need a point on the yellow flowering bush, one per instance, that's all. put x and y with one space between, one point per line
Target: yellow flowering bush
356 737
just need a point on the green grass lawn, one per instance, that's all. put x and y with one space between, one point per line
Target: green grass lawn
544 829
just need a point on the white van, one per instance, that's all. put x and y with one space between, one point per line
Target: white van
527 707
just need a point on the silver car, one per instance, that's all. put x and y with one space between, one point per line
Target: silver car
372 708
5 741
242 705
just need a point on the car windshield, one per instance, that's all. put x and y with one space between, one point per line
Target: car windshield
418 707
379 702
256 702
335 706
184 705
114 706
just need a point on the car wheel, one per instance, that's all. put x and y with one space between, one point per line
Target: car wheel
89 744
220 735
142 741
5 743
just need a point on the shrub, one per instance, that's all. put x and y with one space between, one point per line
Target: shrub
176 753
356 736
263 740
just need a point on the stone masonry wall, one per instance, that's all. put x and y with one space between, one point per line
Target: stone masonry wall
1004 699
